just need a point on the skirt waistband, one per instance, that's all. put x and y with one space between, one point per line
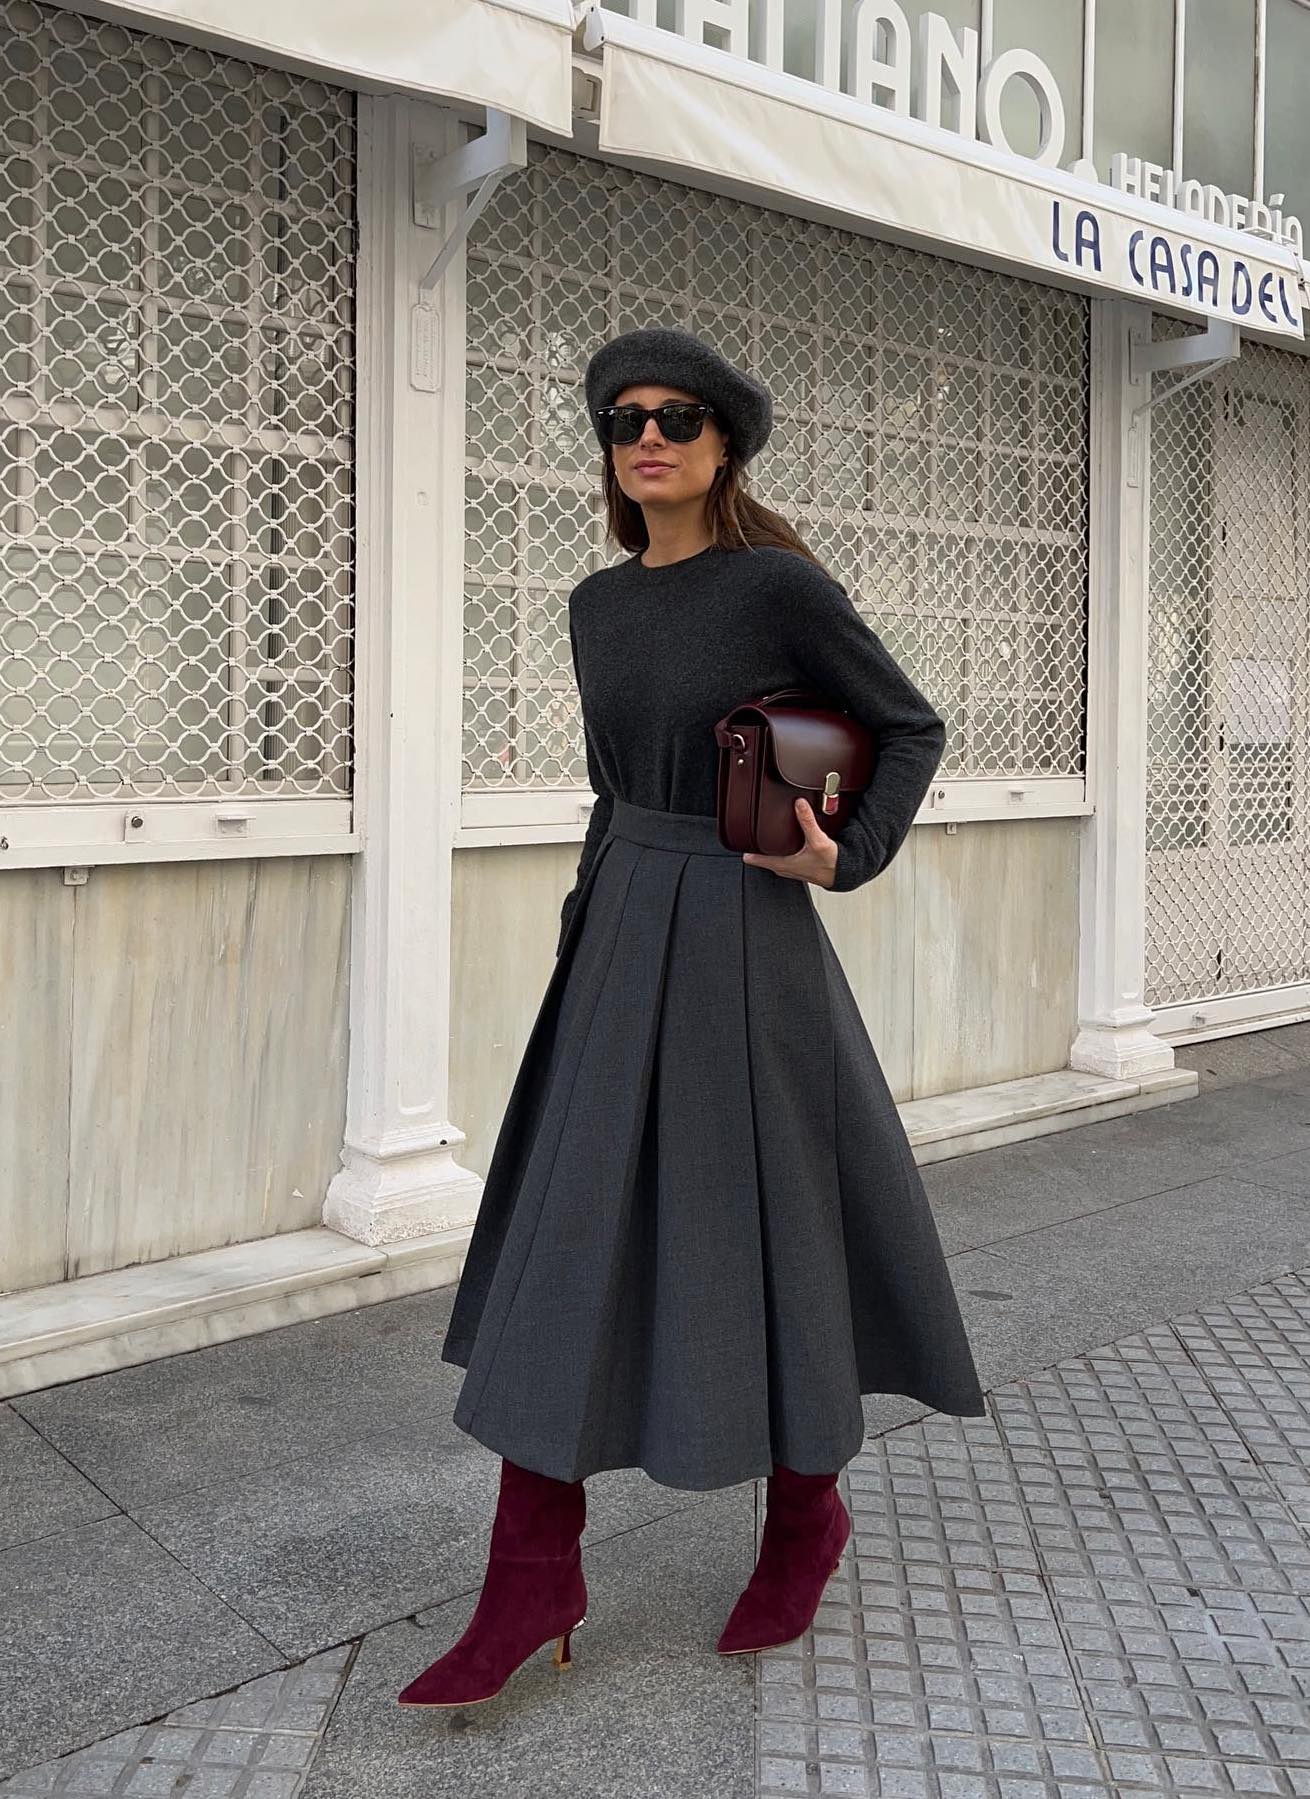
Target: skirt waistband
690 831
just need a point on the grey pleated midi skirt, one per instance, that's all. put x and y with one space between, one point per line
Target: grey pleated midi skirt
703 1233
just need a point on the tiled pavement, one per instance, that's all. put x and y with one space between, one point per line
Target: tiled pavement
255 1742
1102 1588
216 1571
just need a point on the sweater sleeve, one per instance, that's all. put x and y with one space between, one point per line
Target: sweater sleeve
841 656
598 823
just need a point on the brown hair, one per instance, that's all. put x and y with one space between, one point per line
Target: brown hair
737 520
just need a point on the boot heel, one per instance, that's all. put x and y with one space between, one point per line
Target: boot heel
562 1657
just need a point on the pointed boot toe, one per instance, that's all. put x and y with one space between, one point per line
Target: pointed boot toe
806 1529
533 1591
474 1670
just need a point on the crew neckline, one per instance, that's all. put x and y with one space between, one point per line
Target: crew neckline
668 568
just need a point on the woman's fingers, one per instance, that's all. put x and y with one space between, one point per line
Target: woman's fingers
815 860
815 834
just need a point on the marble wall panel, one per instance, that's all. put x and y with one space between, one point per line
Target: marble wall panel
995 952
36 973
505 905
209 1054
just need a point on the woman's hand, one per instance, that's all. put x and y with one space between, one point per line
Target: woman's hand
815 860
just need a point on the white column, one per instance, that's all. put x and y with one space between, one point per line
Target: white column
1115 1035
400 1176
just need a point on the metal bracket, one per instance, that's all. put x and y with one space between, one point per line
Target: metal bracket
436 178
439 176
1208 350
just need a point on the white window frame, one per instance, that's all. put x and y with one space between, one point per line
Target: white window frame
560 814
538 814
90 831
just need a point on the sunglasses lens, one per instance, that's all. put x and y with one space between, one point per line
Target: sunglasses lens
680 424
624 425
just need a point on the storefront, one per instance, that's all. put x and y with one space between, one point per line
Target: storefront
297 481
1228 788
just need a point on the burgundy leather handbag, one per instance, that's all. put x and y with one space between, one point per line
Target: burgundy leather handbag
779 746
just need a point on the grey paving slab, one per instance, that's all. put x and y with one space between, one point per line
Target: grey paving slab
40 1492
365 1532
888 1411
1142 1396
935 1658
1188 1777
1290 1174
1222 1129
996 1194
1295 1078
1249 1120
620 1499
1293 1039
1040 1297
1226 1060
99 1629
148 1433
648 1710
331 1545
255 1742
923 1677
999 1193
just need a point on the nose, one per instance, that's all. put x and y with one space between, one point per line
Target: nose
650 438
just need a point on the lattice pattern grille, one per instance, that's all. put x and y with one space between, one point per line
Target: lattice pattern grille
1228 800
930 443
177 248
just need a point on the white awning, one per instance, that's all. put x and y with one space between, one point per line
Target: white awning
514 55
665 99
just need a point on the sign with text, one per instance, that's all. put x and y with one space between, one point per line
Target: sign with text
939 74
1169 265
668 101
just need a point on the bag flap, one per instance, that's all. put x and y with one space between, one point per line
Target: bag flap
807 747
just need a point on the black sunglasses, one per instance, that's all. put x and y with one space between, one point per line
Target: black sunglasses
681 421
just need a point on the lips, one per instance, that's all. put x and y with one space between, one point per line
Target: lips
643 467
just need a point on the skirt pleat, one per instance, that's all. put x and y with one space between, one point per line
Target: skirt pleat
702 1234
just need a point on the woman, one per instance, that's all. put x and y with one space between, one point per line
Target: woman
703 1234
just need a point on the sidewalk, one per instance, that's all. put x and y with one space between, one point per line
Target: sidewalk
217 1570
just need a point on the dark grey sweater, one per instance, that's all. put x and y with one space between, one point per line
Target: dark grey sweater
660 654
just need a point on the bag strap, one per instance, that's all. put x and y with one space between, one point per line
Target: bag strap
783 693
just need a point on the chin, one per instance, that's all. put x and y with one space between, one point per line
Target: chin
650 494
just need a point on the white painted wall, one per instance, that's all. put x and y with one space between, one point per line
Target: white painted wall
172 1059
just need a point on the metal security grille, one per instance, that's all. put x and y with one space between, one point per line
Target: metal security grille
930 443
176 416
1228 803
1228 797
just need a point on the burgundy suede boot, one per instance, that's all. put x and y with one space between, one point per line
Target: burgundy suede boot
533 1590
806 1527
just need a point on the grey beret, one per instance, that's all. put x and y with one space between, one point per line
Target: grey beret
665 354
